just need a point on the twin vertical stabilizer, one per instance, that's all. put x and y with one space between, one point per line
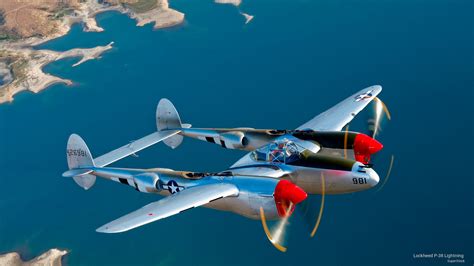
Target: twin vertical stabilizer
167 118
81 163
79 158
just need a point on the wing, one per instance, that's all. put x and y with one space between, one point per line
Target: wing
333 119
171 205
341 114
133 147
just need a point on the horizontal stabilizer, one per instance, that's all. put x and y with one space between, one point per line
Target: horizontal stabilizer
186 125
76 172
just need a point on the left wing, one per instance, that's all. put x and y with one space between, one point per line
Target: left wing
171 205
168 126
341 114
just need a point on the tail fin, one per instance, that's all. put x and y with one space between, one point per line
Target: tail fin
79 161
168 118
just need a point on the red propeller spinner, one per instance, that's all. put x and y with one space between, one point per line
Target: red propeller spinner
287 195
364 147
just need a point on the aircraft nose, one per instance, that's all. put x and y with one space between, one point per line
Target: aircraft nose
373 177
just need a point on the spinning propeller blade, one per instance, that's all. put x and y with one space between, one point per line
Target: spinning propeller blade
309 206
274 240
321 208
277 237
379 108
392 160
345 141
286 195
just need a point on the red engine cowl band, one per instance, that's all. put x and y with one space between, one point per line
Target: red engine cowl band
287 195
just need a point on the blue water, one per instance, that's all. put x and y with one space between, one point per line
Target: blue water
293 61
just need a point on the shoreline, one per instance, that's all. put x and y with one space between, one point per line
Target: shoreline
26 63
30 75
52 257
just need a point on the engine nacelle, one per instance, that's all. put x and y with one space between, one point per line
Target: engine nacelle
233 140
147 182
277 197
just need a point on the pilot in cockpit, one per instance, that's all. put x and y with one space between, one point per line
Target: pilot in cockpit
283 152
277 152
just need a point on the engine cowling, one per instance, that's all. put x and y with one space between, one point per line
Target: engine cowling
233 140
147 182
363 145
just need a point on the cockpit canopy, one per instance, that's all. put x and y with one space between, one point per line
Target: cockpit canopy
283 151
288 152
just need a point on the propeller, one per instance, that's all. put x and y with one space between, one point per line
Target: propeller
364 146
286 195
380 109
321 208
374 127
346 135
389 171
310 207
277 237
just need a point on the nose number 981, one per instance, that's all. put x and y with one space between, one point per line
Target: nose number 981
359 181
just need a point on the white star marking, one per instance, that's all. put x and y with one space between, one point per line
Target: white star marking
364 96
174 189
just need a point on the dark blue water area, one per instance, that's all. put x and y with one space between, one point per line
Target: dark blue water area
293 61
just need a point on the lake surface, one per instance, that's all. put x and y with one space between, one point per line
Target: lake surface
293 61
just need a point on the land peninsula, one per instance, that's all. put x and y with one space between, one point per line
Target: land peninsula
50 258
25 24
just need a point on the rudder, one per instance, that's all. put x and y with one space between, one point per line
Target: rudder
79 156
167 117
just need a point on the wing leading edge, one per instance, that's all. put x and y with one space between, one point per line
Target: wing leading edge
341 114
171 205
133 147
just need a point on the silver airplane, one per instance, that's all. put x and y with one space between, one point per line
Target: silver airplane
282 167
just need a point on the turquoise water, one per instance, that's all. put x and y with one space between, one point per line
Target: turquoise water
293 61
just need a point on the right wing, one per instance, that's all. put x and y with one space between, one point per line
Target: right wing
133 147
341 114
171 205
333 119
